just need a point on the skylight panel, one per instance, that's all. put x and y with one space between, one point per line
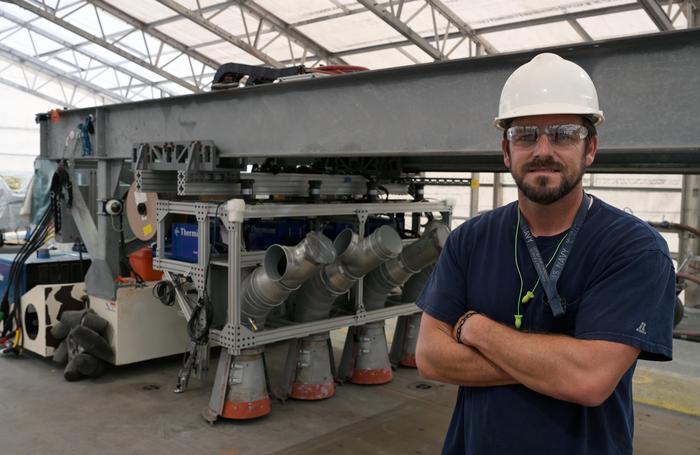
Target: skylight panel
292 11
618 24
187 32
87 19
226 52
144 10
58 31
231 20
141 71
17 11
484 13
387 58
348 32
533 37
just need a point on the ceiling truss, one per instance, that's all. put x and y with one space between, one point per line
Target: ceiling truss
152 60
68 55
261 28
435 45
39 78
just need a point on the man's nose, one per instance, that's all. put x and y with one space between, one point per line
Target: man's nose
543 146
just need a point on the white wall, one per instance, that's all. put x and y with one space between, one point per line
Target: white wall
19 135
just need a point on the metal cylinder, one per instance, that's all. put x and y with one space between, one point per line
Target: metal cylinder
356 257
283 270
246 394
372 365
395 272
314 379
410 339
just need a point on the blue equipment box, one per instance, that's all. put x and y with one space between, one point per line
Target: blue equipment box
60 268
373 223
261 234
185 240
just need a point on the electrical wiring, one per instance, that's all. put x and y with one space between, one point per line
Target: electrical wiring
61 190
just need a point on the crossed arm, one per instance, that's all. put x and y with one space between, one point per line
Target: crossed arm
580 371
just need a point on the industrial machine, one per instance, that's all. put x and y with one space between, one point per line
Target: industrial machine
281 211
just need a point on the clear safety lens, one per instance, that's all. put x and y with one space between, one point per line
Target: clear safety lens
560 135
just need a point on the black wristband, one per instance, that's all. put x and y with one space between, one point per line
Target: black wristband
460 324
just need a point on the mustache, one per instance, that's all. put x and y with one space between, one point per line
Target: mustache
543 163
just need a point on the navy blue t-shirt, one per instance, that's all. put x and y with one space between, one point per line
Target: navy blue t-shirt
618 284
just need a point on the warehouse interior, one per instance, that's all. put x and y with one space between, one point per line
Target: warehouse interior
216 216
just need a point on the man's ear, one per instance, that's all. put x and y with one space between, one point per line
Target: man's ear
591 151
506 152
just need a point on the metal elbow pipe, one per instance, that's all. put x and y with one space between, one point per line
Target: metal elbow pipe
356 257
283 270
413 287
416 256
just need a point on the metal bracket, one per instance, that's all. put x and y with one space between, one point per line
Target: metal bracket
197 361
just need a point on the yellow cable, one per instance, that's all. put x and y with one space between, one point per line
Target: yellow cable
15 343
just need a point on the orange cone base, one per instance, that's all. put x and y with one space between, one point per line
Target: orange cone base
409 361
246 410
302 391
373 376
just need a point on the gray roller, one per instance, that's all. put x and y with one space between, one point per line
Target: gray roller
395 272
283 270
357 256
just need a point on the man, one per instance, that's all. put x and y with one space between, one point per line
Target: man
540 309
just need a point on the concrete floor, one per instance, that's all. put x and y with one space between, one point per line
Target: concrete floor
132 410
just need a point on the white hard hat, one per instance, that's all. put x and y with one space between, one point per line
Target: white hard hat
548 84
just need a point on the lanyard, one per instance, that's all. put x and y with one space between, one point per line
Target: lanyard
549 281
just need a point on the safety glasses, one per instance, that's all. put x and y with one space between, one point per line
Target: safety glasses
558 135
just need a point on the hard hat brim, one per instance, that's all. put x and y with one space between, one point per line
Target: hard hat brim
596 116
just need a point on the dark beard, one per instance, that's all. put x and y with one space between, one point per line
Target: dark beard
538 192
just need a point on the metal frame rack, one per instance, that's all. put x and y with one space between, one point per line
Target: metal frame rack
235 336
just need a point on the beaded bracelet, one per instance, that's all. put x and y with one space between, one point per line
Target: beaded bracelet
460 324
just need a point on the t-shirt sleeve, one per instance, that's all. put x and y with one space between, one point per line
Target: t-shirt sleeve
444 295
632 303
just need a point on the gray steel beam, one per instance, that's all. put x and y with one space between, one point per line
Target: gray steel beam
261 13
656 14
432 117
403 28
42 67
218 31
104 43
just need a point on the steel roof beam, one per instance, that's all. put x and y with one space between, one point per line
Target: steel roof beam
206 24
69 46
395 22
144 27
462 26
290 31
37 93
505 27
42 67
656 14
579 29
104 43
